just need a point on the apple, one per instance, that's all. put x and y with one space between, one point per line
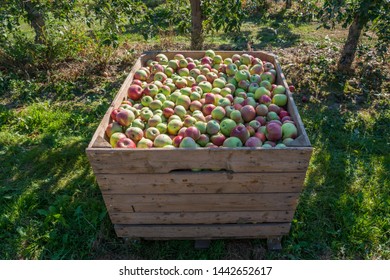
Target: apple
279 99
162 140
125 143
232 142
151 133
218 113
125 117
134 133
205 86
241 75
203 140
141 75
261 110
151 90
188 142
146 114
217 139
274 108
280 146
265 99
272 116
236 116
145 143
207 109
162 59
231 69
212 127
260 91
112 128
219 83
138 123
255 124
248 113
162 127
115 138
256 69
253 142
184 101
266 84
261 119
134 92
287 141
240 132
174 126
146 100
289 130
266 146
261 136
268 76
226 126
189 121
177 140
180 111
154 120
291 88
114 113
273 131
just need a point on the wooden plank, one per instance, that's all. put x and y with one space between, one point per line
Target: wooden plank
200 182
161 232
115 161
303 139
201 202
242 217
99 135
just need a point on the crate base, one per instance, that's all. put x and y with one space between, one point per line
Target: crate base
203 232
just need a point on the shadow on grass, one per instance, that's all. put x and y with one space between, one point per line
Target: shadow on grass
51 206
342 210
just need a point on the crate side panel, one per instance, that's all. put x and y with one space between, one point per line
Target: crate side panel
200 182
241 217
201 202
202 231
115 161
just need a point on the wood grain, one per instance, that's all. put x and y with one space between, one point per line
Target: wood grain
238 217
200 182
161 232
201 202
114 161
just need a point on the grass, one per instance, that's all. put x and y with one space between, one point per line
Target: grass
50 203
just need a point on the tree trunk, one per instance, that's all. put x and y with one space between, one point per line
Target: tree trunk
36 19
197 28
288 4
349 49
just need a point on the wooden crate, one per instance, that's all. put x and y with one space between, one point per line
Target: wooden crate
152 194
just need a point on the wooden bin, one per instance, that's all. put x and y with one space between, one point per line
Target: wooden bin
152 194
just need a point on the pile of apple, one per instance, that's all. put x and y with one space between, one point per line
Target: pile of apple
208 102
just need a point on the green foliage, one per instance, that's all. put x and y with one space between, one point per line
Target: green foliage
222 15
170 16
112 15
371 15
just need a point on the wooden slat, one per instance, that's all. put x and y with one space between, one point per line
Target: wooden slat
114 161
200 182
242 217
161 232
201 202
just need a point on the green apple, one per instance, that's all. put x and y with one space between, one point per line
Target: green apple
162 140
188 142
227 126
279 99
232 142
174 126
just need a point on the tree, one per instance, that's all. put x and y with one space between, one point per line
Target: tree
359 15
209 16
196 25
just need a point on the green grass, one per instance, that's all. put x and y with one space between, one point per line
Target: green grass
51 206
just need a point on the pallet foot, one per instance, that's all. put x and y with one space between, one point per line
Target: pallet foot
202 244
274 243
